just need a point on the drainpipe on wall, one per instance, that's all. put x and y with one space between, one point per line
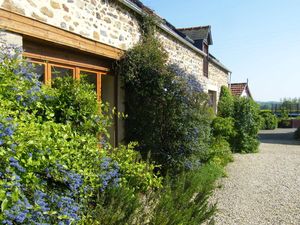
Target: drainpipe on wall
230 80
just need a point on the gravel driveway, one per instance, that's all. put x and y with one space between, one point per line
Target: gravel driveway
262 188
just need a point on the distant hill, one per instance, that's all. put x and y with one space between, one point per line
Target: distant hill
267 102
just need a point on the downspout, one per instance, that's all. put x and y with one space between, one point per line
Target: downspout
230 80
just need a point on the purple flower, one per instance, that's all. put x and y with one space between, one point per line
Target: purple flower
8 131
15 163
110 173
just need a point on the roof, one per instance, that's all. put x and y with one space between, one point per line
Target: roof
198 33
237 89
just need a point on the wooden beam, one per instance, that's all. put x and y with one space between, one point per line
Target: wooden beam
29 27
64 61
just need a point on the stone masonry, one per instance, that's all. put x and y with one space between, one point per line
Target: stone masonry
11 39
111 23
216 78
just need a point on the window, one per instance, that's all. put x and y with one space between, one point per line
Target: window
50 71
213 99
61 71
90 77
53 61
40 69
94 78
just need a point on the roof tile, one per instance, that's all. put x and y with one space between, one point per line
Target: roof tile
238 88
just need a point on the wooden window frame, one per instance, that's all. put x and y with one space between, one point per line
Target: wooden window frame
76 71
98 81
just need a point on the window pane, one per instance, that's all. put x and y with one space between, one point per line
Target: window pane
90 78
60 72
39 69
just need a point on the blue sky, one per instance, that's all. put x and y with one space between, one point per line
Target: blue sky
256 39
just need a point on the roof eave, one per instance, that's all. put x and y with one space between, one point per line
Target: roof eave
219 64
140 11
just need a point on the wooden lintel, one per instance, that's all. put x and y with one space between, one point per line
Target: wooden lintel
14 22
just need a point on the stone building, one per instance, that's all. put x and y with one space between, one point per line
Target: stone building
71 37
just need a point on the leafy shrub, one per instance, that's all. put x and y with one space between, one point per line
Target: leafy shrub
268 120
285 123
226 103
247 123
52 169
116 206
135 172
244 112
167 113
297 134
184 198
223 128
75 102
219 152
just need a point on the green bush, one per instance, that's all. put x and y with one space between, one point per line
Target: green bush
223 128
75 102
219 152
226 103
117 206
297 134
268 120
284 123
135 172
184 198
247 123
167 112
51 168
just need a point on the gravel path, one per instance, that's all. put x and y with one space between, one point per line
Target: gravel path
262 188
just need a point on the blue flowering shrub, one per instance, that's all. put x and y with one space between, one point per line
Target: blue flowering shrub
168 115
52 170
167 109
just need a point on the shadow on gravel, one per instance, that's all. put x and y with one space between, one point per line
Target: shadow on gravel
278 136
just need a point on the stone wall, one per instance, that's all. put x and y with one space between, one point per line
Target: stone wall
181 55
109 22
192 63
11 38
101 20
217 77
